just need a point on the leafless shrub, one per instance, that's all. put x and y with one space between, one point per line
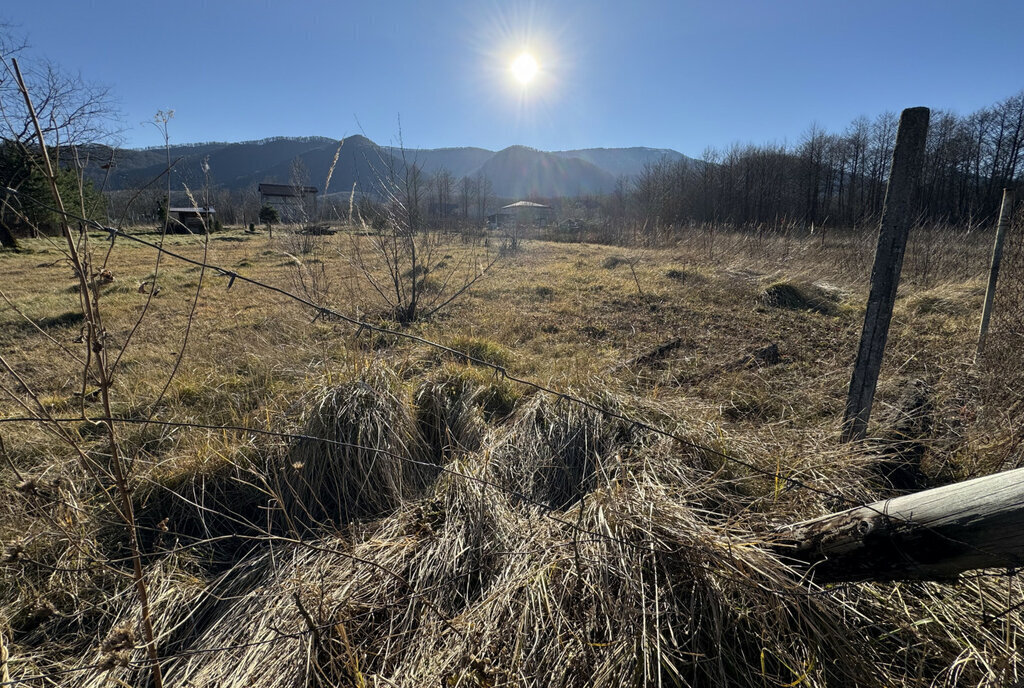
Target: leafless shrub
412 267
311 276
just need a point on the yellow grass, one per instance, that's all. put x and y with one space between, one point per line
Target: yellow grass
574 317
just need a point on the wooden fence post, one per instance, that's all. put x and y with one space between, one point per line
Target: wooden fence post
993 273
897 214
930 535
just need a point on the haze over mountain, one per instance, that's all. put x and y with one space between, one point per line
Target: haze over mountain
518 171
514 172
622 162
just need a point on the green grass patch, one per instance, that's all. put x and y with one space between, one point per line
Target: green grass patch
480 349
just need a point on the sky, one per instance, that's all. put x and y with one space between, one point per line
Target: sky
684 75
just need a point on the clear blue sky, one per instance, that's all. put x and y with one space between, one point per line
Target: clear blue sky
680 75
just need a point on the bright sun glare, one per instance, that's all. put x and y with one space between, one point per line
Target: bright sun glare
524 68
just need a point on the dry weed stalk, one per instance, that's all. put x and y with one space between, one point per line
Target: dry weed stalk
101 373
404 261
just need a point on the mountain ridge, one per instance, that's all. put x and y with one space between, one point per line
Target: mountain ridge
513 171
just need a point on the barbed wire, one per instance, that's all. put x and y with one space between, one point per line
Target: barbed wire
502 371
322 311
546 508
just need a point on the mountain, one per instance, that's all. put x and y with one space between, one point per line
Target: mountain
515 172
459 161
521 172
623 162
361 162
232 165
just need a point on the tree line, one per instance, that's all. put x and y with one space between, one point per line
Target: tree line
834 179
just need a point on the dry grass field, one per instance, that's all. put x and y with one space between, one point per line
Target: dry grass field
459 529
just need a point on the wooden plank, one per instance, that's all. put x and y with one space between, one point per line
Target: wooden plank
930 535
897 215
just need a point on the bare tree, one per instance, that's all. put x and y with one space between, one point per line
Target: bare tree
403 259
71 113
440 206
483 191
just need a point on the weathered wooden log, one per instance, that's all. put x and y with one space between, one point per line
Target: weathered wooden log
930 535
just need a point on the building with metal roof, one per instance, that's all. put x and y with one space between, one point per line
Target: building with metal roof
525 204
522 214
294 203
192 219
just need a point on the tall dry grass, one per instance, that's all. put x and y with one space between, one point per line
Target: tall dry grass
653 571
454 531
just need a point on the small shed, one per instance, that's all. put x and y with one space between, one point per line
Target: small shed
522 214
293 203
193 219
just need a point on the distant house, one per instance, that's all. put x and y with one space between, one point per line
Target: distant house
522 214
193 219
293 203
500 219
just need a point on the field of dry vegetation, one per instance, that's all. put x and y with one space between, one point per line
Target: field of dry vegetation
400 516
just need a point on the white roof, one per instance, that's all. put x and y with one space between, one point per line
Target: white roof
525 204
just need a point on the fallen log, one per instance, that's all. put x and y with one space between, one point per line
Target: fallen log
930 535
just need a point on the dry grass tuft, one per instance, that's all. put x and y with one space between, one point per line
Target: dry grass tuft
637 584
370 417
477 537
481 349
454 404
557 452
800 297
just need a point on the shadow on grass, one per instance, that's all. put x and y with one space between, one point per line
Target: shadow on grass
68 319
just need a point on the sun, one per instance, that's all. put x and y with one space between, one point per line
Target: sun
524 68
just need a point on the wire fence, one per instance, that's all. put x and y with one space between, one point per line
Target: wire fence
323 311
1014 282
1005 344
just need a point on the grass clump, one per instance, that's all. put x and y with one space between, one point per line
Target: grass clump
949 301
373 457
800 297
481 349
683 275
455 403
213 493
448 414
636 585
544 292
559 452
